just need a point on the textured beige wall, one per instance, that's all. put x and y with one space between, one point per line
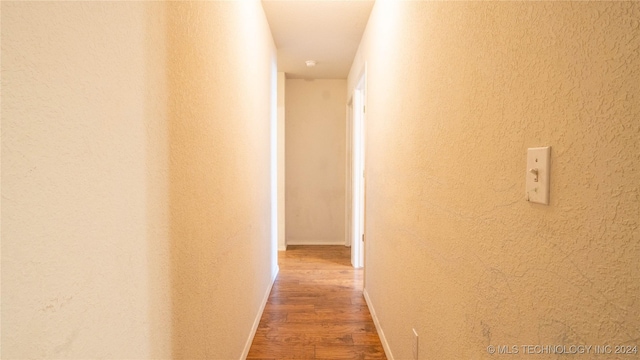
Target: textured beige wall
456 94
315 156
220 76
84 157
135 179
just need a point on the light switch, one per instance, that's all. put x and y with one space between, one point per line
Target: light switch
537 184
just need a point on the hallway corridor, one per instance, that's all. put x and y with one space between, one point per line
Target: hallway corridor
316 309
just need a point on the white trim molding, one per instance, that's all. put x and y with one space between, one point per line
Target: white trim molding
383 339
256 322
316 242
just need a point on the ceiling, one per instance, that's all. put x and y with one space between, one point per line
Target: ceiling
327 31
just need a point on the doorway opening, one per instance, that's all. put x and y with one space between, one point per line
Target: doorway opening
358 108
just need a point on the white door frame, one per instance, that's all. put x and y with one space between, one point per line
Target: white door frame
358 171
348 204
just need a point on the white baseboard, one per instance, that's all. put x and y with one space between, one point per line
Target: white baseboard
284 248
383 339
315 243
256 322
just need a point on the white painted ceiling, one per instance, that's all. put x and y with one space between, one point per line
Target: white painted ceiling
327 31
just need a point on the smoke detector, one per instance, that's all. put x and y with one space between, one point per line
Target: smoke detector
310 63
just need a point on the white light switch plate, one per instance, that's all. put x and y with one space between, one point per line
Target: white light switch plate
537 184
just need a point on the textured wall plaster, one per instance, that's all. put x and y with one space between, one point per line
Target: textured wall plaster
456 94
84 181
135 187
220 78
315 161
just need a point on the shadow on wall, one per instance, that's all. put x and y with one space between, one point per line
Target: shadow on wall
135 195
192 259
210 165
158 203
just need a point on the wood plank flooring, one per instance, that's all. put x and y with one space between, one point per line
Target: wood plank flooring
316 309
